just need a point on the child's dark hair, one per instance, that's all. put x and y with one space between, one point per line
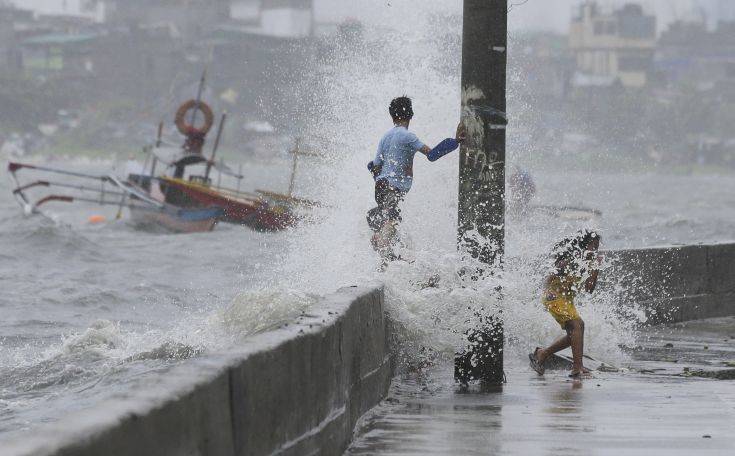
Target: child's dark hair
565 250
401 108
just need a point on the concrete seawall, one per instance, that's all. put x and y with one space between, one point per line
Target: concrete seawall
297 390
677 283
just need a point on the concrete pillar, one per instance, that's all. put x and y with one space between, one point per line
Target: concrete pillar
482 160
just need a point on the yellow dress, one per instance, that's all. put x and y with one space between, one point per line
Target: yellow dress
559 296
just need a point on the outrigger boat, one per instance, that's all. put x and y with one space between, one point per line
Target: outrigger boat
145 209
178 203
263 210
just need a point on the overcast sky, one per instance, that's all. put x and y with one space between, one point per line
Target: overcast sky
525 14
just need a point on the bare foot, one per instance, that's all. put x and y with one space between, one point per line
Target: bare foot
584 373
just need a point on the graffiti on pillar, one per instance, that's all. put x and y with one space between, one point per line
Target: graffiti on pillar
483 167
476 119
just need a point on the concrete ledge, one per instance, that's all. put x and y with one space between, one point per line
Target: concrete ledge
677 283
687 308
296 390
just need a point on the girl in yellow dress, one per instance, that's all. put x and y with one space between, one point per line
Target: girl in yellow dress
576 266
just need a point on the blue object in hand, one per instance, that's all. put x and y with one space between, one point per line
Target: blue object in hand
442 149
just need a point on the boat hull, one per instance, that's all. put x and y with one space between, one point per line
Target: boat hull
174 219
254 212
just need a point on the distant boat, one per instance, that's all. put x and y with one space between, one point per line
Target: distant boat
177 203
262 210
146 211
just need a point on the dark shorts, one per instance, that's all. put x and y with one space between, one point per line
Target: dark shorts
389 200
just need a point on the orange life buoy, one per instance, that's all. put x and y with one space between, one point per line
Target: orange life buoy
191 130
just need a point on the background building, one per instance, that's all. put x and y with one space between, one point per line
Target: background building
612 47
690 53
189 18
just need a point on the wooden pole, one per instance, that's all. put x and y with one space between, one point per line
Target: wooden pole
295 152
215 147
239 176
154 160
200 92
159 137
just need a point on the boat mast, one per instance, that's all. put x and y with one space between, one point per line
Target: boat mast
295 152
200 92
215 147
159 140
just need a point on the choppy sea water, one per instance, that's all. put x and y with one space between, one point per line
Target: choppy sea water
88 309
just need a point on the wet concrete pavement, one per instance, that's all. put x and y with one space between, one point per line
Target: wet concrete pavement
651 408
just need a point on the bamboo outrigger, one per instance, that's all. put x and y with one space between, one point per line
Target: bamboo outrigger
145 210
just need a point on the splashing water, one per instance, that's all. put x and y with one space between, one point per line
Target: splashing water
255 312
334 251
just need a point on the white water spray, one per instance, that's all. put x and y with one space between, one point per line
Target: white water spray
410 55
